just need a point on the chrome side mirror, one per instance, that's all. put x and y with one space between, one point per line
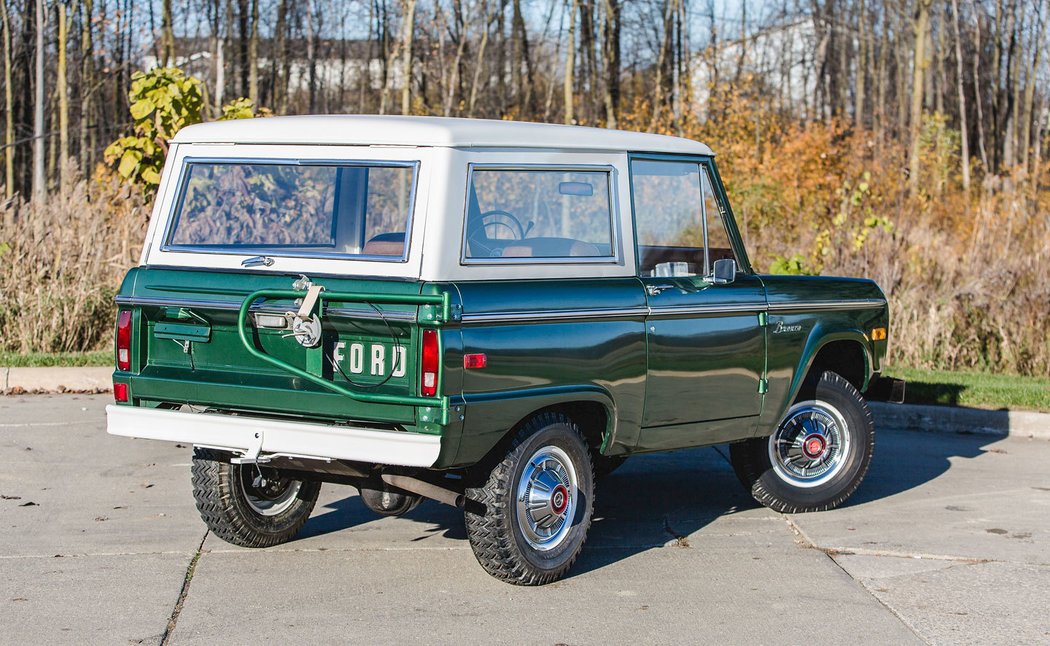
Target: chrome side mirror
724 272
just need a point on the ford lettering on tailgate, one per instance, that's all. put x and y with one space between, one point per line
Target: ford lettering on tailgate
370 358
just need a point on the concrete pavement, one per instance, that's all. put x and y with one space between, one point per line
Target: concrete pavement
946 542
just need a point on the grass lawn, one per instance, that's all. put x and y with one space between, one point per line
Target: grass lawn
47 360
976 390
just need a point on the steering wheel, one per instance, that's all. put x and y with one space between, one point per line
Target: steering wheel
518 229
475 239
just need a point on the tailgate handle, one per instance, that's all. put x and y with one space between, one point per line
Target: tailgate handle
309 301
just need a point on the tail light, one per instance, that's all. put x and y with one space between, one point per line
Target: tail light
428 368
124 340
120 393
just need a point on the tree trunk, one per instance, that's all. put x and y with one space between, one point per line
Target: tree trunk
479 64
279 65
1029 96
39 174
523 86
167 35
87 53
921 24
457 65
611 54
570 64
978 99
311 54
962 99
408 31
9 109
862 68
659 95
62 92
253 55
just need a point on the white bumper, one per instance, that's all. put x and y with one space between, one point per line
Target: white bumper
252 436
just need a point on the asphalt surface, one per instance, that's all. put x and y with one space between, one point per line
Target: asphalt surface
945 542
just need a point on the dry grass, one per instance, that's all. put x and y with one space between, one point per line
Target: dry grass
62 262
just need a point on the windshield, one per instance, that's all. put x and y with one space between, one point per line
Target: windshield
331 209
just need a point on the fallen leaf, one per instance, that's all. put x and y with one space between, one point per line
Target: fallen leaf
29 504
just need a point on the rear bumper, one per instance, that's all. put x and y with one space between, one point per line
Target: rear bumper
253 436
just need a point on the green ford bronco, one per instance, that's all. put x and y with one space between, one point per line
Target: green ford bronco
493 315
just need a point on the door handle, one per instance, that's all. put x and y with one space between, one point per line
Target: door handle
655 290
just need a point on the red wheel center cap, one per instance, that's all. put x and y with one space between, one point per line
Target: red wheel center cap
813 446
559 499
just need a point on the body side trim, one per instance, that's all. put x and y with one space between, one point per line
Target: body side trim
555 315
827 306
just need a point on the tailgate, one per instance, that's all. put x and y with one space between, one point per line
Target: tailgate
224 340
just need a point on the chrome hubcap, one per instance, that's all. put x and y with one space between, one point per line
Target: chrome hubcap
546 498
268 494
810 445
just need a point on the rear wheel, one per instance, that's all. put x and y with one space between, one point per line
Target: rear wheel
817 456
537 501
249 505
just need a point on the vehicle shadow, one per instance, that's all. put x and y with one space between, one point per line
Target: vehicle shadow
350 512
659 500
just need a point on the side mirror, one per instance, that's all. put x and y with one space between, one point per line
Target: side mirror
724 272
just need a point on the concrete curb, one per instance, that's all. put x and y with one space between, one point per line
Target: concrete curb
87 379
968 421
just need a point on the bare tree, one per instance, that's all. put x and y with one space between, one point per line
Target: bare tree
62 92
9 108
167 30
962 98
570 64
39 172
611 27
408 31
921 25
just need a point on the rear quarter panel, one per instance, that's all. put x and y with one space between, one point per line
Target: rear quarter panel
550 342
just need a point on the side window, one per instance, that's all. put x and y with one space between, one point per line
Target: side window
718 244
679 221
668 213
549 213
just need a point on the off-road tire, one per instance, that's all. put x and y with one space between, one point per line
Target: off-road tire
493 528
753 463
226 511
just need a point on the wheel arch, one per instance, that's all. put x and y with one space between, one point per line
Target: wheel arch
591 408
845 352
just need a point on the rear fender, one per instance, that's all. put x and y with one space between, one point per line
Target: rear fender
490 419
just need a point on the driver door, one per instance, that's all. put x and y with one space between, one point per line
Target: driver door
706 358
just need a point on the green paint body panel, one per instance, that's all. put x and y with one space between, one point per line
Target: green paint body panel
658 363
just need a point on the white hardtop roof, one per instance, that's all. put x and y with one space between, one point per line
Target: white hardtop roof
362 130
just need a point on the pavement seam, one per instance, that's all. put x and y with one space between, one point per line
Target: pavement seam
807 543
173 620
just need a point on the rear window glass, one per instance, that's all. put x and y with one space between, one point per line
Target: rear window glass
294 209
524 213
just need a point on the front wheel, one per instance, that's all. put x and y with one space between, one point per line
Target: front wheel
817 456
249 505
538 501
